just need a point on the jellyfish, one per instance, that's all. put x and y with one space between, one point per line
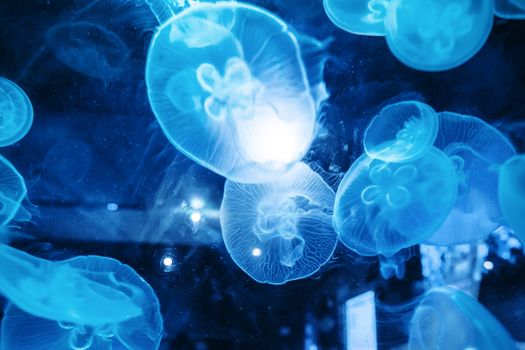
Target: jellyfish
447 318
436 35
511 190
281 230
382 207
16 113
401 132
228 86
12 192
476 151
364 17
510 9
88 48
138 325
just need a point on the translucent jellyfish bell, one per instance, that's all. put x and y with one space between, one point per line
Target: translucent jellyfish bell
401 131
142 330
476 150
436 35
447 318
365 17
12 191
382 207
510 9
511 190
228 86
281 230
16 113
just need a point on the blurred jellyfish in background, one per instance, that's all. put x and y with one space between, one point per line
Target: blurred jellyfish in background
16 113
281 230
401 132
511 189
510 9
12 192
125 315
383 207
229 88
436 35
364 17
447 318
476 150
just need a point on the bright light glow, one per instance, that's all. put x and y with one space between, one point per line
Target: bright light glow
360 317
197 203
112 206
196 216
256 252
167 261
488 265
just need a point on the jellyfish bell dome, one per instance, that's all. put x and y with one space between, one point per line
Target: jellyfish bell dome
382 207
12 191
511 190
228 86
436 35
401 132
364 17
509 9
16 113
282 230
476 150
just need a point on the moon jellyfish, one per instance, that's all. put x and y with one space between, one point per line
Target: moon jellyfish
140 329
88 48
281 230
448 318
16 113
365 17
435 35
476 150
12 192
511 190
510 9
383 207
228 86
401 132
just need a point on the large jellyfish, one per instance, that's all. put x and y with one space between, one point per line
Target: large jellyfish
365 17
16 113
510 9
88 48
382 207
139 325
447 318
401 132
435 35
477 150
281 230
228 86
12 192
511 190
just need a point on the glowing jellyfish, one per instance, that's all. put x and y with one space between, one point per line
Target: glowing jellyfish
381 207
282 230
477 150
88 48
227 84
511 190
447 318
16 113
401 132
12 192
365 17
138 327
510 9
435 35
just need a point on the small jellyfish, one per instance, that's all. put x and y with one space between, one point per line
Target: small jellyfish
476 150
382 207
23 330
364 17
228 86
436 35
12 192
511 189
281 230
16 113
510 9
401 132
88 48
447 318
